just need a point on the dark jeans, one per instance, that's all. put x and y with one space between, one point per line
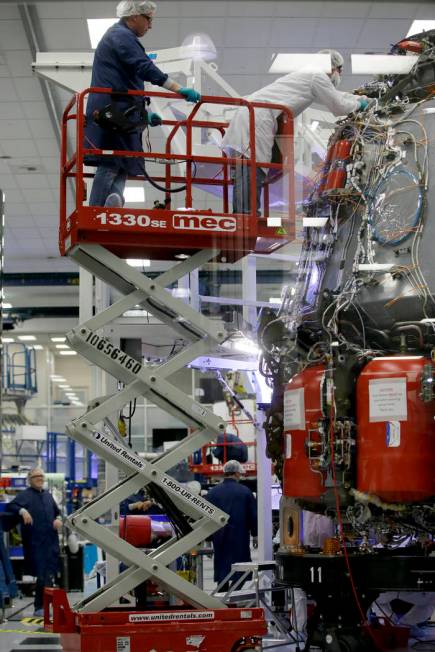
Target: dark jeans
107 180
242 188
41 583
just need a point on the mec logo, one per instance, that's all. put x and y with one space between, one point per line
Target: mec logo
204 223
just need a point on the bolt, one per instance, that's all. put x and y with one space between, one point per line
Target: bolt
220 334
84 520
152 287
84 425
83 331
153 379
155 567
223 519
154 473
221 426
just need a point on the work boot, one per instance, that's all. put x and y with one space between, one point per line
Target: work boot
114 201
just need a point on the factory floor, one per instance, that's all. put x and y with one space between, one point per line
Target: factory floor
23 633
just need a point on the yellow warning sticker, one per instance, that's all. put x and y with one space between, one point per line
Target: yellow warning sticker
26 631
32 621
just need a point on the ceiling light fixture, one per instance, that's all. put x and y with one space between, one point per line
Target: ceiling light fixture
68 352
62 346
290 62
137 262
58 339
97 28
134 194
27 338
419 26
382 64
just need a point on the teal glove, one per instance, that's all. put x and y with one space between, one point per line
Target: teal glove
190 94
154 120
363 104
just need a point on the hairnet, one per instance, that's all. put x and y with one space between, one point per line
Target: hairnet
128 8
336 58
232 467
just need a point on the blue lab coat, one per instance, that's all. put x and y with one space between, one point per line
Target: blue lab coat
40 540
237 452
231 543
8 585
120 63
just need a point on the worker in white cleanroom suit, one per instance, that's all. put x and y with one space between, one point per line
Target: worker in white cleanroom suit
297 91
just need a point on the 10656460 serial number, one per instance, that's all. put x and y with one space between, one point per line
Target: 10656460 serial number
115 354
143 221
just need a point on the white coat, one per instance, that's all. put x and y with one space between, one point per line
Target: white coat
297 91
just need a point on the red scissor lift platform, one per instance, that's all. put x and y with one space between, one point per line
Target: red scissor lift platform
106 236
167 233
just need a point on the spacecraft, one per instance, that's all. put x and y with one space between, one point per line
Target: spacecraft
351 358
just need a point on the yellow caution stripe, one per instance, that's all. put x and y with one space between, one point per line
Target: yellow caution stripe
32 620
26 632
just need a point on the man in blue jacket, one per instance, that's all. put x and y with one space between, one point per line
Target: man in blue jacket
231 543
120 63
39 532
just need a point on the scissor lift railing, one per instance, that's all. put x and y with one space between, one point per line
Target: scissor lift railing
101 248
130 232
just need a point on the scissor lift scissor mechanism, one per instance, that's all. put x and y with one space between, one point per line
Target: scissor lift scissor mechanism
97 247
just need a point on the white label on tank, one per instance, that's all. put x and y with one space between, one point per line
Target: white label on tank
123 644
387 399
393 434
288 446
294 409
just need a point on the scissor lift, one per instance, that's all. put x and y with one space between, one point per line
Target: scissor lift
100 245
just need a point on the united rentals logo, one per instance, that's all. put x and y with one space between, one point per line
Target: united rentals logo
204 223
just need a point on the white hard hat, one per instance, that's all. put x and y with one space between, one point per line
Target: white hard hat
128 8
336 58
232 467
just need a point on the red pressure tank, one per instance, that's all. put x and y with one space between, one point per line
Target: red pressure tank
337 172
395 431
330 156
302 412
136 529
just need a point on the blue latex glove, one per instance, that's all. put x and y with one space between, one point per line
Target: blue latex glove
190 94
154 120
363 104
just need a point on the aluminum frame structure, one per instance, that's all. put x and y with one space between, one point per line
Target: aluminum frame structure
95 430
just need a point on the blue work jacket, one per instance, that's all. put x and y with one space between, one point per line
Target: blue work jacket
231 543
40 540
120 63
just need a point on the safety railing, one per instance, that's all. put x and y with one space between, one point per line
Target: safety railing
164 232
19 369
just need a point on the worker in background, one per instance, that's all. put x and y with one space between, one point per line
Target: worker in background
232 543
39 532
121 63
230 447
297 91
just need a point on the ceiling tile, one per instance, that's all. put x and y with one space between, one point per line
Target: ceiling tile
62 9
348 9
10 110
13 129
64 37
19 63
19 148
7 90
21 222
7 182
260 28
338 32
12 35
31 180
13 196
378 34
28 89
426 11
35 110
36 195
292 32
41 128
47 147
16 209
214 28
398 10
297 9
9 11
